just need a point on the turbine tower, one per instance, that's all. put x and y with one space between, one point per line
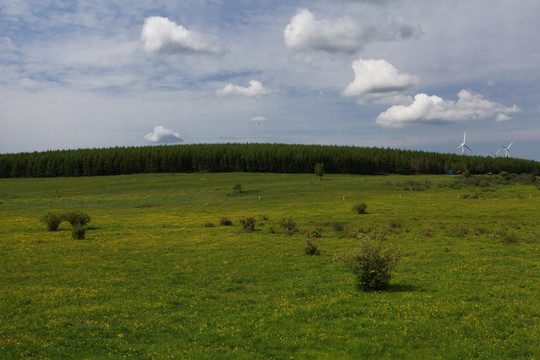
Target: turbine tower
464 145
507 149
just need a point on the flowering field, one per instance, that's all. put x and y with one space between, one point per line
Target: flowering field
159 277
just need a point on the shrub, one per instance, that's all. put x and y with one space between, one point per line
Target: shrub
315 234
52 221
209 224
360 208
248 223
225 221
78 232
505 175
312 248
371 266
236 190
338 226
76 218
319 170
288 225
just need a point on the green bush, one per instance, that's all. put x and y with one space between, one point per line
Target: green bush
288 225
360 208
338 226
76 218
247 223
371 266
225 221
312 248
315 234
505 175
77 232
319 170
52 220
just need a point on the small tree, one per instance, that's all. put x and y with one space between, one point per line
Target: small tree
312 248
319 170
248 223
77 218
52 220
372 267
289 225
78 232
360 208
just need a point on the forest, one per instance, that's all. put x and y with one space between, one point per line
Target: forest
250 157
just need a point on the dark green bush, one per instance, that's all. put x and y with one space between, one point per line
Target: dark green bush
360 208
76 218
338 226
225 221
289 225
247 223
78 231
372 266
312 248
52 220
505 175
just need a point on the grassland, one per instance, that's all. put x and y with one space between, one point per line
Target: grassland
154 280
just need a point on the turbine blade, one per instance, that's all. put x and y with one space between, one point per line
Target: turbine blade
510 145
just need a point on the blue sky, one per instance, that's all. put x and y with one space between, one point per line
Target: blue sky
400 74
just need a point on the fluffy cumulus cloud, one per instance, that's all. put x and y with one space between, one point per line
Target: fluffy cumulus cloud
162 135
306 32
160 34
377 76
255 89
433 109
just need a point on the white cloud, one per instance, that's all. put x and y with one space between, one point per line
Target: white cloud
433 109
160 34
6 44
305 32
377 76
502 117
163 135
29 85
255 89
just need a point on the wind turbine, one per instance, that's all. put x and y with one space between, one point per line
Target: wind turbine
464 145
507 149
497 153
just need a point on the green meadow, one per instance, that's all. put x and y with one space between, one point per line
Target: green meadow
158 276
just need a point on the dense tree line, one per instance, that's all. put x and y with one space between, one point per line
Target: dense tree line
273 158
